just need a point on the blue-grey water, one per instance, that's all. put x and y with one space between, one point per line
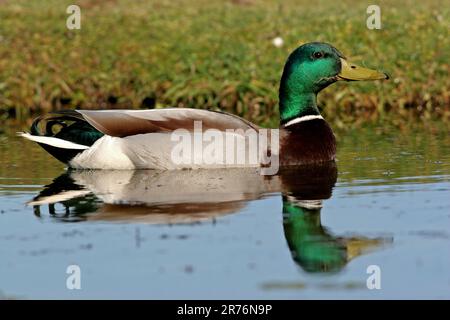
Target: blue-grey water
304 234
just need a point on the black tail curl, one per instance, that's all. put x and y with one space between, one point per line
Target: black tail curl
67 125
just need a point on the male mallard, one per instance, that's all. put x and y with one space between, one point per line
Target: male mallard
130 139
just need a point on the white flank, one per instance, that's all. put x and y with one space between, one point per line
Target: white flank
51 141
146 151
154 151
106 153
301 119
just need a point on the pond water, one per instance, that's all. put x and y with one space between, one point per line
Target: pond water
303 234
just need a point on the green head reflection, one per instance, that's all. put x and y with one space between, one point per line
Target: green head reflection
311 245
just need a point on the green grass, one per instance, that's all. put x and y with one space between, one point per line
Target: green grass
219 55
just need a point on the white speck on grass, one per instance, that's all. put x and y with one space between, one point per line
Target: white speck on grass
278 42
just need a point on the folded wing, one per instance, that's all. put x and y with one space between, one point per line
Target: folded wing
123 123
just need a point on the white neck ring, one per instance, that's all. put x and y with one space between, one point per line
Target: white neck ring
302 119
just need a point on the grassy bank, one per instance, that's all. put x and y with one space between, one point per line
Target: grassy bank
219 55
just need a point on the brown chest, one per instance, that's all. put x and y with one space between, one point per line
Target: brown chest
307 142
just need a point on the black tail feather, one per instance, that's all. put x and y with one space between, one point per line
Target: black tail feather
72 127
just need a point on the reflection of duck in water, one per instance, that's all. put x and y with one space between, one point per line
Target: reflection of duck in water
312 246
75 198
153 196
156 196
167 197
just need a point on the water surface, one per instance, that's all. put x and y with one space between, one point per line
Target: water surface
305 233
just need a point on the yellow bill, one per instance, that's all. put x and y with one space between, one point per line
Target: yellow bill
353 72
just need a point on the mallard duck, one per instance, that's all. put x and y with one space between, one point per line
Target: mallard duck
143 139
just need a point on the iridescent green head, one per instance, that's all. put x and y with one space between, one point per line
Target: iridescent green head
311 68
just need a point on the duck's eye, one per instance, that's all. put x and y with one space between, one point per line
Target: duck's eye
318 55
